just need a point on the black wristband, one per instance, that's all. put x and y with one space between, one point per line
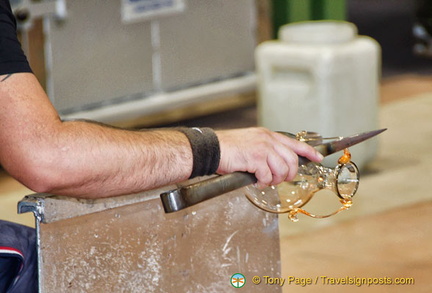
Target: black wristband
205 150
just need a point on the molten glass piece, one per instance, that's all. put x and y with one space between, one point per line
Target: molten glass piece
289 197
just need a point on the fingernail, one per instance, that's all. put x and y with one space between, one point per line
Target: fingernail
259 186
320 156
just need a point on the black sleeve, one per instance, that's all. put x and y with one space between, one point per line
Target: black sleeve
12 58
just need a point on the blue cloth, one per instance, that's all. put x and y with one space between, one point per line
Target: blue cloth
18 258
12 58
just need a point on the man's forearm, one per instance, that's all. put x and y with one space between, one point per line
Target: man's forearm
96 161
84 159
79 158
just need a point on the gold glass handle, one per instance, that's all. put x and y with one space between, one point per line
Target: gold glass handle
292 215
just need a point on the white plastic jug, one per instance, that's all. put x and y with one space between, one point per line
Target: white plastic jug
320 76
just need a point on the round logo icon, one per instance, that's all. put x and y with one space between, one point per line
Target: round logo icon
238 280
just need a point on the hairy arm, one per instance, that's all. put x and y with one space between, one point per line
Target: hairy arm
83 159
78 158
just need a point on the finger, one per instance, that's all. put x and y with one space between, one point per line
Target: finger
278 167
264 176
300 148
290 161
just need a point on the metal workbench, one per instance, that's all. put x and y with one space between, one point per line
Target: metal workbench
129 244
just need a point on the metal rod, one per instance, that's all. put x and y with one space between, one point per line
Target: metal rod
175 200
183 197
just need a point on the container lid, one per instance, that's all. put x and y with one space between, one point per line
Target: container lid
318 32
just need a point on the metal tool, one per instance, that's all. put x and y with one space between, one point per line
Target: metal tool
183 197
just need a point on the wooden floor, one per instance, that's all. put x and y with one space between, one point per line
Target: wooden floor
389 247
404 87
386 236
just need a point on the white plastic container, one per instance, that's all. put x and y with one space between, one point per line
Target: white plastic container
320 76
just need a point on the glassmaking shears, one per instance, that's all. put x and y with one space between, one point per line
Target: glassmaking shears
183 197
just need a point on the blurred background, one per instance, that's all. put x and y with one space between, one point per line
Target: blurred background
169 71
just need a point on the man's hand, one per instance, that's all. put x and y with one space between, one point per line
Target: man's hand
271 156
90 160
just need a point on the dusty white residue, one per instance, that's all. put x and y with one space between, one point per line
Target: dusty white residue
226 251
111 263
272 224
225 247
151 265
179 254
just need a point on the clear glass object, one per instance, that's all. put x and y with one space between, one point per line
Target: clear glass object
290 197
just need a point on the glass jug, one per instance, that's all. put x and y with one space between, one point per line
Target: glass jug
290 197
